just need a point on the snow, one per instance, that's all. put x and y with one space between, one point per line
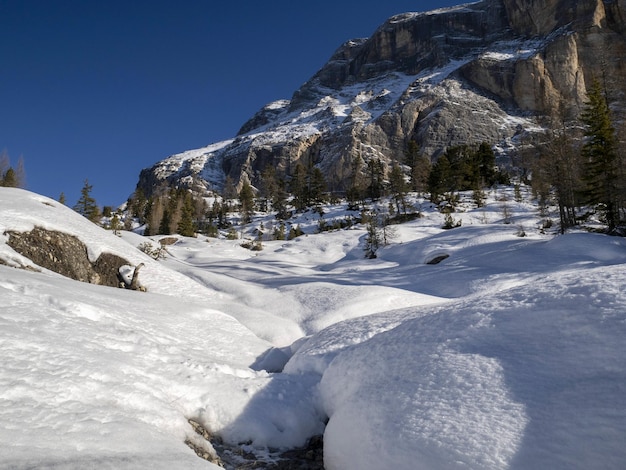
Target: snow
508 354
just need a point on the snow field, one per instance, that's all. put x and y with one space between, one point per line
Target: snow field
509 354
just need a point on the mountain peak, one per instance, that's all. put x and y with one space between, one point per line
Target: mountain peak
486 71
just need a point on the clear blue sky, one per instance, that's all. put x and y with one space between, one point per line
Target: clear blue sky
102 89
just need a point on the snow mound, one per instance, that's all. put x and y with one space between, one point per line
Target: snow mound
530 378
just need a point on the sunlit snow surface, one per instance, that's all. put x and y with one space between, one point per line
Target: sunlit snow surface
510 353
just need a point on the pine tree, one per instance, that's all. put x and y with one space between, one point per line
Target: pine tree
317 186
300 187
137 203
9 180
420 167
356 190
373 237
86 204
600 157
116 224
246 202
486 161
186 226
398 188
376 176
439 178
164 225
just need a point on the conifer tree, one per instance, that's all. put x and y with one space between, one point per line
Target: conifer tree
9 180
373 237
186 226
164 225
420 167
376 176
356 190
299 187
246 202
273 188
600 157
439 178
486 162
137 203
398 188
317 186
86 204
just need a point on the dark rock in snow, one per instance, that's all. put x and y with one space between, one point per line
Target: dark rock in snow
66 255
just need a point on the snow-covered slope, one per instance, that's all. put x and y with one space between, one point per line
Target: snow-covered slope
510 353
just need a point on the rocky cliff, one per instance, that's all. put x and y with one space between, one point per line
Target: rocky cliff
484 71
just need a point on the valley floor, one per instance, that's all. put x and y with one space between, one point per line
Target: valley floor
507 354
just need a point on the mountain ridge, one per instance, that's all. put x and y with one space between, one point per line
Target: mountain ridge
486 71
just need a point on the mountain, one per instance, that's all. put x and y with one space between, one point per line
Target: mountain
488 71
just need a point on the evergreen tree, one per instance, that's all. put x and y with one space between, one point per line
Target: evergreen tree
164 225
317 186
356 190
11 177
299 187
485 159
372 238
420 167
116 224
62 198
186 226
86 204
137 204
398 188
600 157
230 191
9 180
439 178
376 176
246 202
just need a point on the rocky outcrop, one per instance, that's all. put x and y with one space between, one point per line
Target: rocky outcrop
485 71
542 17
241 457
66 255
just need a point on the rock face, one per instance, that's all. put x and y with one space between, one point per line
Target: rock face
485 71
66 255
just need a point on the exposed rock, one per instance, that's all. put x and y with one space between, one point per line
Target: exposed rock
243 457
485 71
438 259
541 17
67 255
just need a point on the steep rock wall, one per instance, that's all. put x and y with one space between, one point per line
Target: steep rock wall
478 72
